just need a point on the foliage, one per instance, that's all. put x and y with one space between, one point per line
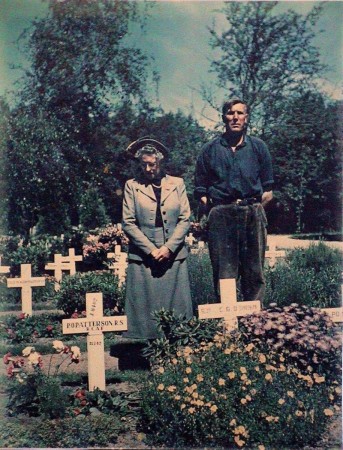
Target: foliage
87 403
264 56
33 392
230 392
307 276
101 241
25 328
200 278
177 332
71 297
92 211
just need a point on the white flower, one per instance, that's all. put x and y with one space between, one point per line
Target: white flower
76 353
34 358
58 346
28 350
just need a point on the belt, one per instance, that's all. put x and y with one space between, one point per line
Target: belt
237 201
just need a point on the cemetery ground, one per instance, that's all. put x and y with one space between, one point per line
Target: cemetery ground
117 421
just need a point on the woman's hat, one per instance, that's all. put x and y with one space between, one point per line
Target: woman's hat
142 142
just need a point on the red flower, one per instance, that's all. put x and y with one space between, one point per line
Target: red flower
10 372
77 411
6 357
49 328
75 315
22 316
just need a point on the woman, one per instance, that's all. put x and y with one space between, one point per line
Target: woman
156 218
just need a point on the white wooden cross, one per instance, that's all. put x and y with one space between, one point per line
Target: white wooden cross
229 309
271 254
190 239
119 265
336 314
26 283
58 266
71 260
95 324
4 269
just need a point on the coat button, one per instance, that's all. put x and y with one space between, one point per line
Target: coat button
164 212
165 221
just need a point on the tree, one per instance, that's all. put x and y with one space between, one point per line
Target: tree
264 56
307 165
82 71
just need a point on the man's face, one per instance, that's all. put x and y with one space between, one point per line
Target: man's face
236 118
150 166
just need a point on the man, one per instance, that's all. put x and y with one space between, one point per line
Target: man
234 181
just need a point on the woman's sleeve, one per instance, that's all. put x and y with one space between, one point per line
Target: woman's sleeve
137 237
182 227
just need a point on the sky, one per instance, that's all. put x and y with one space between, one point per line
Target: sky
178 39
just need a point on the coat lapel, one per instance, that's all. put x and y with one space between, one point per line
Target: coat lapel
167 188
147 190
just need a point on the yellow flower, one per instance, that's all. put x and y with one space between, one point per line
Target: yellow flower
261 447
290 394
174 361
200 377
249 347
160 370
185 380
244 377
299 413
195 395
328 412
191 410
160 387
338 390
268 377
253 392
239 430
213 408
188 360
183 406
233 422
188 370
187 351
231 375
282 359
257 368
239 441
221 382
262 358
270 367
243 401
248 398
177 397
227 351
281 401
318 379
171 388
243 370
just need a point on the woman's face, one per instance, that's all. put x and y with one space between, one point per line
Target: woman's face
150 166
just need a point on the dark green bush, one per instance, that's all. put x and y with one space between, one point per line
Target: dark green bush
72 295
23 328
307 276
200 277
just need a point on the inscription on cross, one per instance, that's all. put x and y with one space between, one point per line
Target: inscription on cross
95 324
229 309
26 283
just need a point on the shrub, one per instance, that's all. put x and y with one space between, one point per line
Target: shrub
24 328
231 392
99 431
92 211
72 295
200 277
307 276
99 243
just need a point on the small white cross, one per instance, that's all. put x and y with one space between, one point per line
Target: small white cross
95 324
26 283
229 309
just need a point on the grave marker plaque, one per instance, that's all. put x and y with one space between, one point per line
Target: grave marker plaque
229 309
95 324
26 283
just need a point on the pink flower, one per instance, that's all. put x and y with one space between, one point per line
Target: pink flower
7 358
49 328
